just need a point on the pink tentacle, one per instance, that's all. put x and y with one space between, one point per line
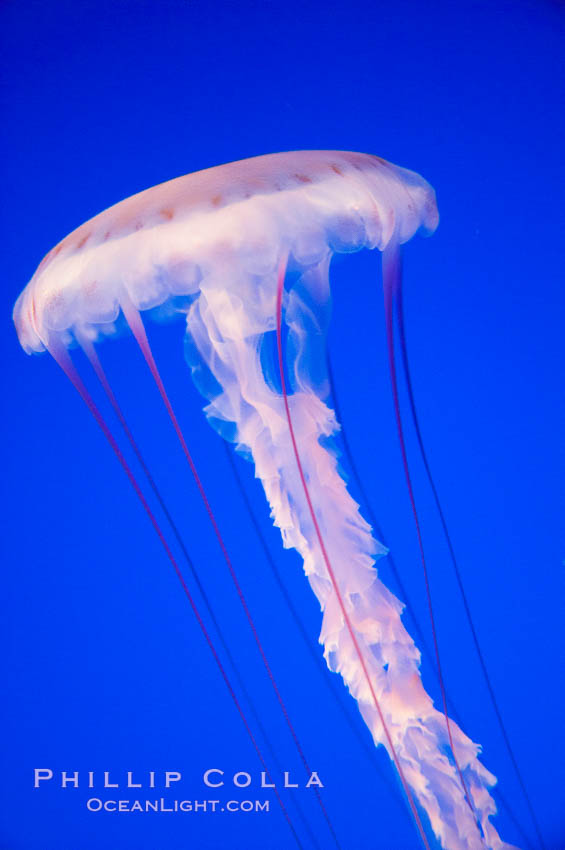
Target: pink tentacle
280 286
62 357
135 322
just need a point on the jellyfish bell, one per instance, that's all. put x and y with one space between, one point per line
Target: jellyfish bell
183 235
248 244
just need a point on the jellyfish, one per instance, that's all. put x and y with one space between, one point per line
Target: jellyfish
243 252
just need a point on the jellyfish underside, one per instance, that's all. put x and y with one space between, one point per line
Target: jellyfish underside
243 250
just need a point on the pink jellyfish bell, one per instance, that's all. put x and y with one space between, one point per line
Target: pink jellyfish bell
226 237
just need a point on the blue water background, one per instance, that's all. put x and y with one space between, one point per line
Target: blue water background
106 668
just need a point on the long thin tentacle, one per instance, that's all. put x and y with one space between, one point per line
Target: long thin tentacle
391 278
61 356
337 591
415 420
92 356
135 323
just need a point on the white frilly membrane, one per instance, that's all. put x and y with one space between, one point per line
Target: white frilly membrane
225 258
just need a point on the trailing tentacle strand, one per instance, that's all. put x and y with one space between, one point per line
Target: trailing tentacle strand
92 356
399 313
61 356
135 322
